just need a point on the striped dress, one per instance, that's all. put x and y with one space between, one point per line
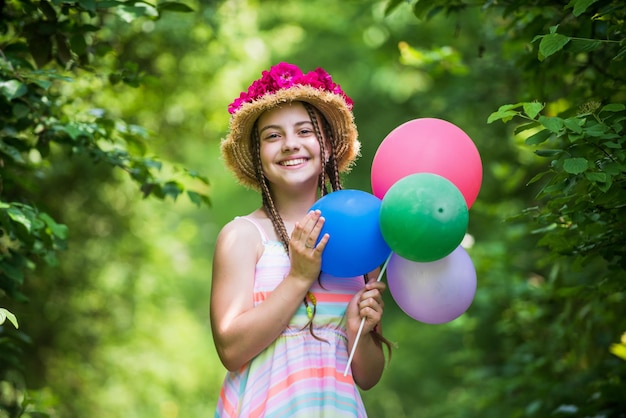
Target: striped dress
297 375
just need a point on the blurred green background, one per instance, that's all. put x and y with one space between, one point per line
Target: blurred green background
119 327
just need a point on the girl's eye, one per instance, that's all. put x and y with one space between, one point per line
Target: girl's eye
271 136
305 131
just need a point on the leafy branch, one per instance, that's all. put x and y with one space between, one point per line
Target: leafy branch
583 185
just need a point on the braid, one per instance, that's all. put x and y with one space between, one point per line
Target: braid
320 139
268 202
277 221
332 169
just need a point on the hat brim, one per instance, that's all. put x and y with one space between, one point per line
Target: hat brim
237 148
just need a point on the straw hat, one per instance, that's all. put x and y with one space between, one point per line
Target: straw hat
285 83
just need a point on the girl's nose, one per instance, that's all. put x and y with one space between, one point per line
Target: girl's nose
290 143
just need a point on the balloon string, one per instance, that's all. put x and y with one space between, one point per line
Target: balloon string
358 334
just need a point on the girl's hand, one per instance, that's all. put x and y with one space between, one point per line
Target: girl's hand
367 303
306 257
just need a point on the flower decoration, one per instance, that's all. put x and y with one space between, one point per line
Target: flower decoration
283 76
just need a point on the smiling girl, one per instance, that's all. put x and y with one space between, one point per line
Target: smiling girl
281 327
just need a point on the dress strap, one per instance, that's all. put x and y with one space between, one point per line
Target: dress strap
255 223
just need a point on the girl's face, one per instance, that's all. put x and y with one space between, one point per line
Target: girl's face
290 151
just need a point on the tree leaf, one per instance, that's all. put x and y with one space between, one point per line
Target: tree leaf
580 6
552 123
597 177
173 6
88 4
505 115
392 5
552 43
533 109
575 165
619 350
583 45
574 124
40 47
15 273
12 152
20 217
613 107
58 230
5 314
548 152
12 89
538 138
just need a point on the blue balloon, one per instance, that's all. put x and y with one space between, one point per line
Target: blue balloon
356 245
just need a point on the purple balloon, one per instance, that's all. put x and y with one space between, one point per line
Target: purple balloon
435 292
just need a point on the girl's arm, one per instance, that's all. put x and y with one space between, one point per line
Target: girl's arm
369 360
240 329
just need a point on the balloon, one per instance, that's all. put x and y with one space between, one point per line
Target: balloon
423 217
356 245
428 145
435 292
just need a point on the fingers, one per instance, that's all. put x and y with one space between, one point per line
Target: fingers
371 304
374 303
306 232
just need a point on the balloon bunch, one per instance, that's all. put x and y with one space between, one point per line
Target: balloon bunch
426 174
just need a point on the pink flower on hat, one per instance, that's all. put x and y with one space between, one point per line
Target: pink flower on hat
283 76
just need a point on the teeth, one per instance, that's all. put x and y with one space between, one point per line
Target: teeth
293 162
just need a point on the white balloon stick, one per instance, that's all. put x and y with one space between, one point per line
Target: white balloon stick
358 334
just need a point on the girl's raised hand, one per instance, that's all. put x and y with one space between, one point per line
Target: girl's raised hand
305 255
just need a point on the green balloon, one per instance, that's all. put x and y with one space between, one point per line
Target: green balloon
423 217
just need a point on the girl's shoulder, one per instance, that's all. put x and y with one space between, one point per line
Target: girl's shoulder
238 238
247 228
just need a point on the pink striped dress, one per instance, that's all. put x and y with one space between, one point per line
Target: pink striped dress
297 375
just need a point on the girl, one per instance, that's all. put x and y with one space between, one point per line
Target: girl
283 328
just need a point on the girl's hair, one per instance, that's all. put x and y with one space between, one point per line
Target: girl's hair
328 176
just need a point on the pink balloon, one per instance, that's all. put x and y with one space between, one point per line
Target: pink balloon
428 145
434 292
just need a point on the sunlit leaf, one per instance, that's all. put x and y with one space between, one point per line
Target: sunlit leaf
20 217
12 89
505 115
5 314
619 350
533 109
552 123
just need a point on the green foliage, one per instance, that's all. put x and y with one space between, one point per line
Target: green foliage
46 46
583 187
